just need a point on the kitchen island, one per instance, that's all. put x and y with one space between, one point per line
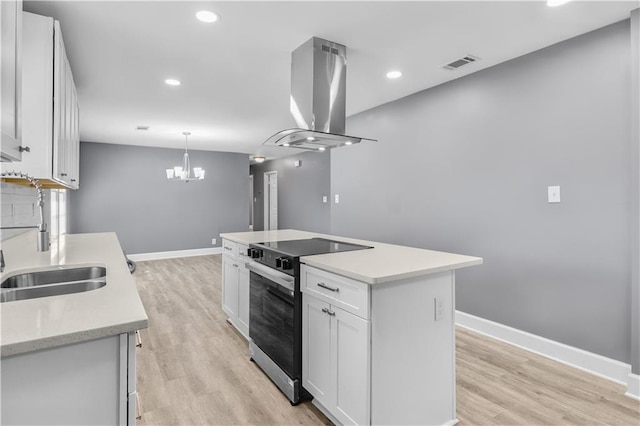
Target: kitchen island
378 338
70 359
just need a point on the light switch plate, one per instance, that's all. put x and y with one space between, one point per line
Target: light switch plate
336 198
324 198
554 194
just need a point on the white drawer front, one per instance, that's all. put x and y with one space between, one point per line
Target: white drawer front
348 294
229 248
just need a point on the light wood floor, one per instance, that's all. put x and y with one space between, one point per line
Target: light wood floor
194 368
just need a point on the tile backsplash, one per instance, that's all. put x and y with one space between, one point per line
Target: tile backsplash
19 207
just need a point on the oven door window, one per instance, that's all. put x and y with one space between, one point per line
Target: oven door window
271 321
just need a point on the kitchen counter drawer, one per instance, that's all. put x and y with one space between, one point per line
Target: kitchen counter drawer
348 294
229 248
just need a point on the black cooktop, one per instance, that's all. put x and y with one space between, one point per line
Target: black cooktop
296 248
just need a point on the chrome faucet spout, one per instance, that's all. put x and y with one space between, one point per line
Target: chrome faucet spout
43 234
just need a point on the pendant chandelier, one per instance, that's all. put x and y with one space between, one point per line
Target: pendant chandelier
183 172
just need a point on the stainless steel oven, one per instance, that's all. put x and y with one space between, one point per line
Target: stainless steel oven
274 327
275 309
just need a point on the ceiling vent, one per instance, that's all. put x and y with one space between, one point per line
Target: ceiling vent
461 62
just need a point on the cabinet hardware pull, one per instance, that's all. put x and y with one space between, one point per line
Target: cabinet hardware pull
138 339
328 312
63 174
73 180
24 149
323 285
138 412
228 248
235 265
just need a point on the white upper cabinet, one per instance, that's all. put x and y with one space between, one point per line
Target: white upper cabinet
10 73
50 113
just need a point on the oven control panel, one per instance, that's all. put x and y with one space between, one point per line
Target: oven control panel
272 259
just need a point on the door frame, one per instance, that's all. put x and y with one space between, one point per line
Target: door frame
251 203
266 198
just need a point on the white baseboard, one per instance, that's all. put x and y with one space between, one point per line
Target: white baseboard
173 254
598 365
633 386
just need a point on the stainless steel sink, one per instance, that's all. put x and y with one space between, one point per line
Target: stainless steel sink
53 282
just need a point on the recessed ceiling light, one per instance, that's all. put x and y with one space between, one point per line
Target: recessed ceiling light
394 74
321 148
554 3
172 82
259 159
311 138
348 143
285 144
207 16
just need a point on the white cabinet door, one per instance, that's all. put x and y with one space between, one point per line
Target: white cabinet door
350 338
243 299
336 360
77 384
230 286
10 73
50 116
316 350
63 113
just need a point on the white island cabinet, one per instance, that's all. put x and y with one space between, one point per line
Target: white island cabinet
335 344
379 354
235 285
378 337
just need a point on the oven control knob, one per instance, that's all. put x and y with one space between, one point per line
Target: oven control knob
285 263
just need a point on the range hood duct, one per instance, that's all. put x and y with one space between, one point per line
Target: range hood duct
318 98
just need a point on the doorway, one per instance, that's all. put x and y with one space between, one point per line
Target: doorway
270 201
251 201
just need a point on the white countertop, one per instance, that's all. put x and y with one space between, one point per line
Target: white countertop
384 263
41 323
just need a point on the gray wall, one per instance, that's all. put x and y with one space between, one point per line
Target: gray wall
464 167
300 191
124 189
635 217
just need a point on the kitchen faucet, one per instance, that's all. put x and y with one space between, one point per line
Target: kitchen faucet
43 234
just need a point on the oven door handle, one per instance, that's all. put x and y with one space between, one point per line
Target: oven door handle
281 279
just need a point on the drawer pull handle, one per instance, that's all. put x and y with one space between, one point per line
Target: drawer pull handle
138 339
235 265
323 285
329 312
63 174
24 149
227 248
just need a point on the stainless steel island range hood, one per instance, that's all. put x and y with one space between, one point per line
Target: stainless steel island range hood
318 98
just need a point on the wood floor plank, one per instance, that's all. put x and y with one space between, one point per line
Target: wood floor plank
194 368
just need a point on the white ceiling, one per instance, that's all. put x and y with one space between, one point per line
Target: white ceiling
235 73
